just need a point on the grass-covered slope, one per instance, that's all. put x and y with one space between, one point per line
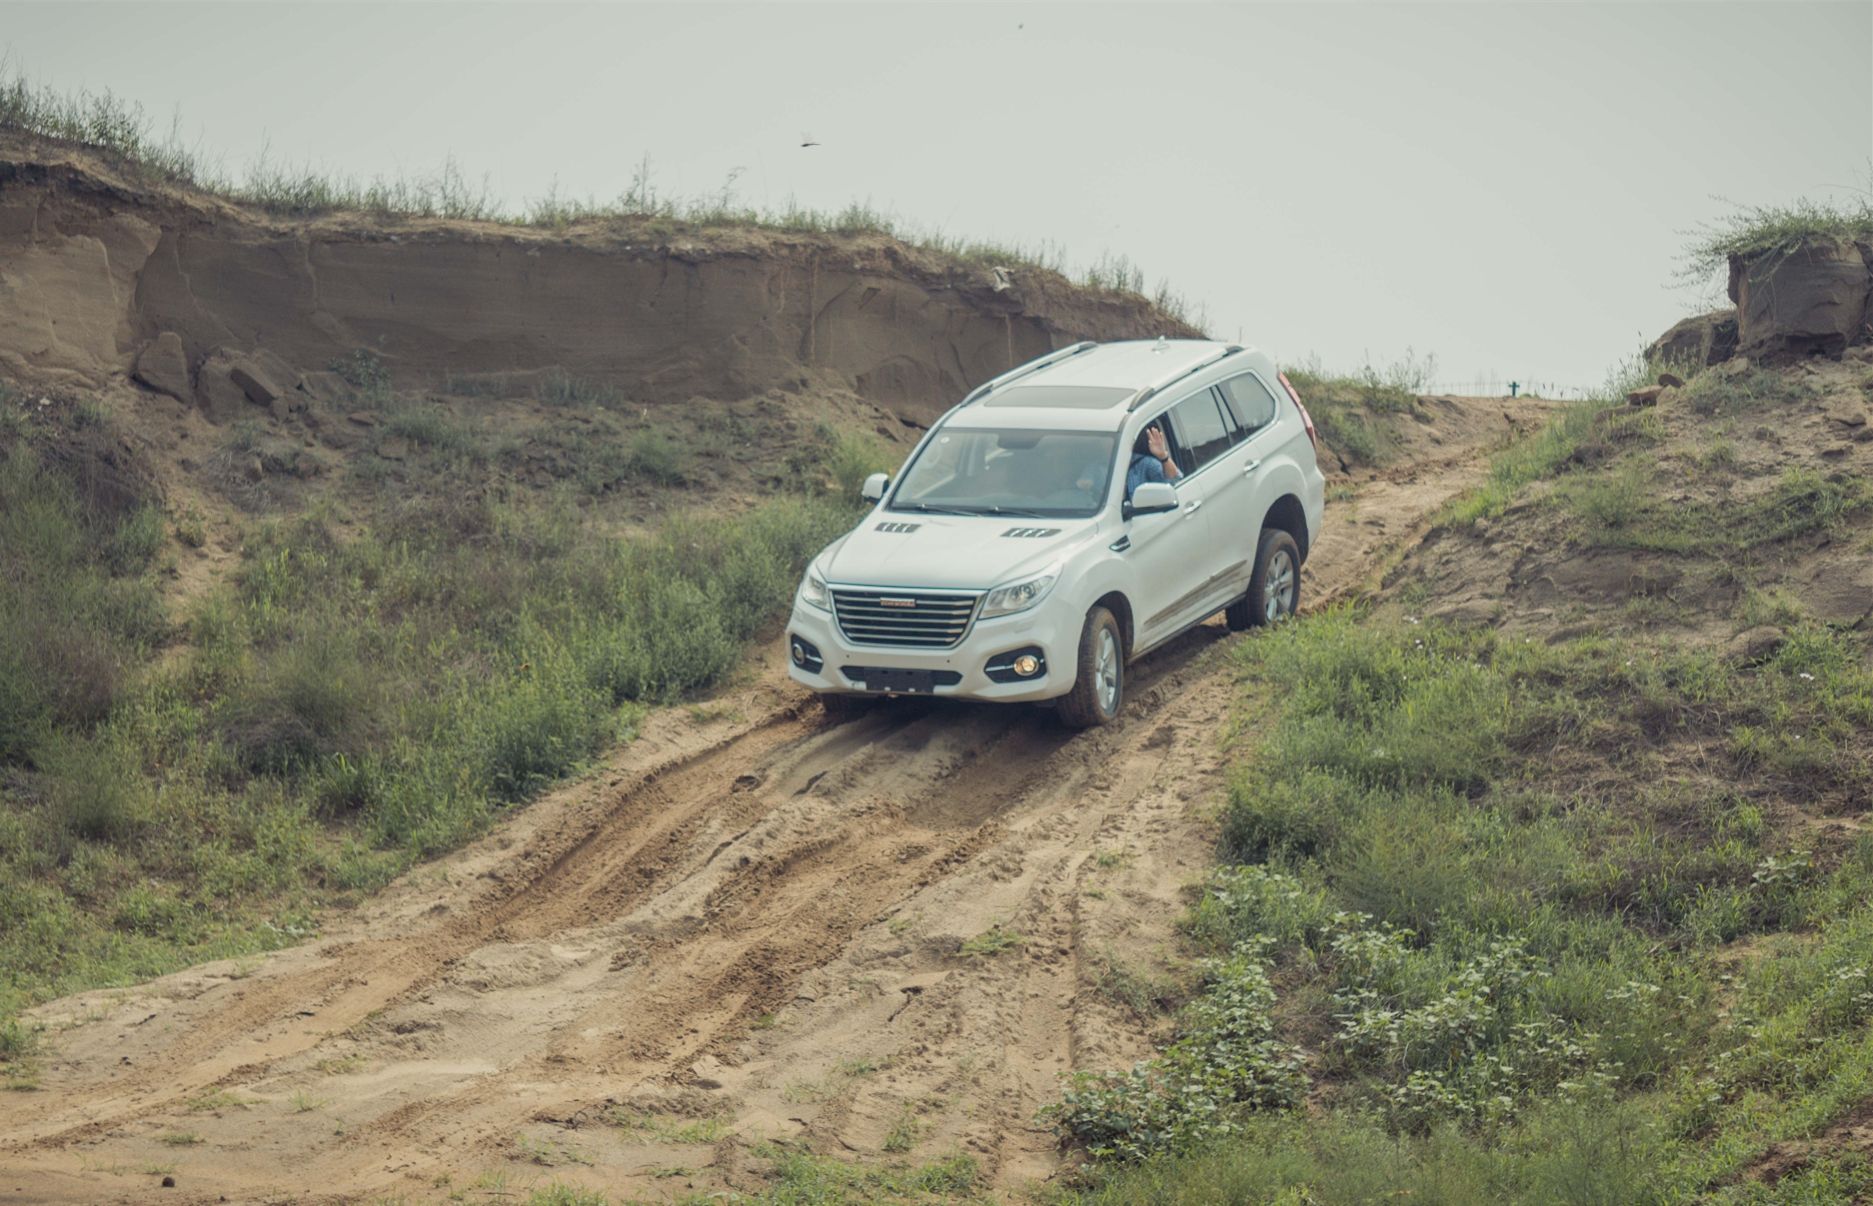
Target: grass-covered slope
1567 905
380 675
1356 413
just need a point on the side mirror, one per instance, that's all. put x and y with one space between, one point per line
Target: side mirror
874 487
1152 498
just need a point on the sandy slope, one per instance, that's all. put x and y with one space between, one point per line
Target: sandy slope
747 915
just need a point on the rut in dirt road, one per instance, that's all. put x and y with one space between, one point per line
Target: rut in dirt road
886 934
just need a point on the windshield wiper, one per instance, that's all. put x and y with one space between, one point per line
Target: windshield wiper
1019 513
933 509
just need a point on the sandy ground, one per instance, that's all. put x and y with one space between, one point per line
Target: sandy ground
748 925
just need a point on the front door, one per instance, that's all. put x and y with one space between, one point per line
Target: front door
1184 574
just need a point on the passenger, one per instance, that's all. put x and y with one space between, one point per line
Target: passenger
1151 461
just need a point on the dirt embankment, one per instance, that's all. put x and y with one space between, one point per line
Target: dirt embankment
96 270
882 940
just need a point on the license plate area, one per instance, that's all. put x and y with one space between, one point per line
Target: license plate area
905 682
888 680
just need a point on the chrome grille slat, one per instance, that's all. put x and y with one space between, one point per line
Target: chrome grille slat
939 620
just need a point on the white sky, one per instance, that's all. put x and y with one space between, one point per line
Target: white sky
1507 186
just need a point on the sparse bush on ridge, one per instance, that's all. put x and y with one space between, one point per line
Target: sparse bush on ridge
1755 229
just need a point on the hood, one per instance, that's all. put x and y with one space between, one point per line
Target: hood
893 548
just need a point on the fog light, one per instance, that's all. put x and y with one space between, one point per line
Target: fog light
1026 665
799 652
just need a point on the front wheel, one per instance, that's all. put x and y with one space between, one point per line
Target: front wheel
1274 587
841 708
1099 688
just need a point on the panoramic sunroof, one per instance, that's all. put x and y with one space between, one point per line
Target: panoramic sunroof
1063 397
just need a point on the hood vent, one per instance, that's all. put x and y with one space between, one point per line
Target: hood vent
897 527
1031 533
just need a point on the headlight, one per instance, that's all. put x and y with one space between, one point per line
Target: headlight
813 590
1018 596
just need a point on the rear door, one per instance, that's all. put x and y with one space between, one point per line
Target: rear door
1250 409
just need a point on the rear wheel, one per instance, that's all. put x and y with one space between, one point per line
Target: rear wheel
1275 586
1099 687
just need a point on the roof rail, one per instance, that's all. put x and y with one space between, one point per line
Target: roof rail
1032 366
1144 395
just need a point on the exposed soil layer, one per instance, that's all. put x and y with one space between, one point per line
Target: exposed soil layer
101 274
882 939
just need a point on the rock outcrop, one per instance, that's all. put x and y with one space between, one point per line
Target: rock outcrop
1803 301
1698 341
163 365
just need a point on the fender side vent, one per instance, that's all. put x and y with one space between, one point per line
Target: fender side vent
1030 533
897 527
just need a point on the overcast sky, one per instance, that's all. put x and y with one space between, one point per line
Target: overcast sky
1506 186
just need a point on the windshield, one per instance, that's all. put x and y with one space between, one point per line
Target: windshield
1039 474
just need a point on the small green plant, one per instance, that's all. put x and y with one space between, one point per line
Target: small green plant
191 529
657 457
904 1132
991 942
804 1092
217 1100
180 1138
557 1194
365 371
563 389
302 1102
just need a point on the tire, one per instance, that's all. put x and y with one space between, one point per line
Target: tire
841 708
1098 691
1274 587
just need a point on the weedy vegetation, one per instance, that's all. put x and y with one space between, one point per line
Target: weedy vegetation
993 941
1750 230
1526 921
1354 412
195 783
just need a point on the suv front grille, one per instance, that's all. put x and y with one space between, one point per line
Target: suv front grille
915 618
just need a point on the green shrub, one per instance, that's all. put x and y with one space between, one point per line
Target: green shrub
654 456
1225 1063
562 389
314 697
364 371
95 789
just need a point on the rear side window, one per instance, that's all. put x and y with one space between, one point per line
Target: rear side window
1250 402
1200 429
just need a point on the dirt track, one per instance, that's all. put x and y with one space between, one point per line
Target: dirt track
747 915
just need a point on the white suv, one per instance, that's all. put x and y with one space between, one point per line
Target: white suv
1033 544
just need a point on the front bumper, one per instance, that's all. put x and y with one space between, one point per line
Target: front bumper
1038 628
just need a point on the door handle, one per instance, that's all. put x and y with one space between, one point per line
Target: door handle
1191 508
1251 467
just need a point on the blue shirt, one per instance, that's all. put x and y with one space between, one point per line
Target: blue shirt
1145 468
